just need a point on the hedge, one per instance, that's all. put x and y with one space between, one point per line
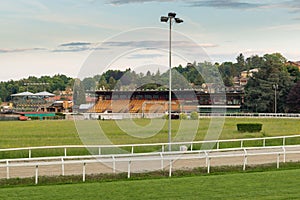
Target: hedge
249 127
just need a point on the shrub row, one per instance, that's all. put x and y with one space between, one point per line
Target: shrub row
249 127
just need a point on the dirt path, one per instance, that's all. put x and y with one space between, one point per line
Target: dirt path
142 166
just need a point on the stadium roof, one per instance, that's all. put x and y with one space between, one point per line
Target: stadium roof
44 93
22 94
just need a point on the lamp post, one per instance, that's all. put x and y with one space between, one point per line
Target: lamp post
171 16
275 86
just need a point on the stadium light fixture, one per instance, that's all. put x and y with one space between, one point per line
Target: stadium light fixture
170 18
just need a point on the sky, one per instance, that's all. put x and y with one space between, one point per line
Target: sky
86 37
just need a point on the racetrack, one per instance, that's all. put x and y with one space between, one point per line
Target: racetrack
151 162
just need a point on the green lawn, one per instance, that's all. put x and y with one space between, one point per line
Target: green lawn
53 133
259 185
42 133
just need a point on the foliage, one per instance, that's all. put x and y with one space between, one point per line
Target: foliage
55 83
259 92
194 115
249 127
182 116
293 99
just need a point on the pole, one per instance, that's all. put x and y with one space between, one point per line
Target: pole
170 86
275 104
275 98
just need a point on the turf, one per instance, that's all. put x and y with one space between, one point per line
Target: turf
259 185
43 133
54 133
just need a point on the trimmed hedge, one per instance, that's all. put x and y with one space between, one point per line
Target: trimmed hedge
249 127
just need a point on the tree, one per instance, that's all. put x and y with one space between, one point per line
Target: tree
293 99
259 92
89 84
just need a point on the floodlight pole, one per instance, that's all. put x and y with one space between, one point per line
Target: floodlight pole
170 18
275 86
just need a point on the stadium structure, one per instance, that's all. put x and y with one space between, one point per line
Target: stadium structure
145 102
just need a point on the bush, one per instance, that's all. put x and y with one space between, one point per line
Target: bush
194 115
182 116
249 127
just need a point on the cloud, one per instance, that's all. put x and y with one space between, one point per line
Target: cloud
198 3
21 50
120 2
157 44
225 4
76 44
77 47
143 56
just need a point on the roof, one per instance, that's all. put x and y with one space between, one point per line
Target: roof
44 93
22 94
85 106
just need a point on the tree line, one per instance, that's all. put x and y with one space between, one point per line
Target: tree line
273 72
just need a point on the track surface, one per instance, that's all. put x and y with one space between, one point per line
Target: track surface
154 163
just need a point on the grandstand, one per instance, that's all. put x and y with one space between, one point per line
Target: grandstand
153 101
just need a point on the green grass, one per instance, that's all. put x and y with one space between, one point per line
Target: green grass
282 184
53 133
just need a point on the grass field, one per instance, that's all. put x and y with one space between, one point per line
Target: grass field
42 133
53 133
256 185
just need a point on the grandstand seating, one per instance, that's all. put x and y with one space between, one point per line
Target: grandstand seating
134 106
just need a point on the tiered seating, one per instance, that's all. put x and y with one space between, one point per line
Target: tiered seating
136 106
100 106
119 106
155 106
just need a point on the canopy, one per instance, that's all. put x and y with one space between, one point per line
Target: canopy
22 94
44 94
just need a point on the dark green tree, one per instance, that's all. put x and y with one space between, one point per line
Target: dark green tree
293 99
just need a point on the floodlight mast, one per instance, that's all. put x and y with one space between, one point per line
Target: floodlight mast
171 16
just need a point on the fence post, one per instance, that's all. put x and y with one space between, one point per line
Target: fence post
7 169
131 149
284 154
99 150
162 162
65 151
245 160
36 174
162 148
170 168
114 164
208 166
206 158
29 153
264 142
241 143
129 168
83 172
191 146
218 145
283 141
62 167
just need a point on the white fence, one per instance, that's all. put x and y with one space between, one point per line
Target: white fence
163 157
161 146
262 115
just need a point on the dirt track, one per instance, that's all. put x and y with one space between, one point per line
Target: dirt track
141 166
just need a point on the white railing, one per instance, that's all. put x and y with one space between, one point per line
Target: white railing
170 157
262 115
161 146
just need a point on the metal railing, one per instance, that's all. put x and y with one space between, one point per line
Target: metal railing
161 146
169 157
